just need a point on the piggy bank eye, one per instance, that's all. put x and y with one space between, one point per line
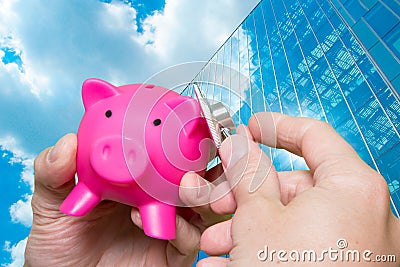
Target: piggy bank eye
108 113
156 122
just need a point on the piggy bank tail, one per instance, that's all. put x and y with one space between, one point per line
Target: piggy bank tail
80 201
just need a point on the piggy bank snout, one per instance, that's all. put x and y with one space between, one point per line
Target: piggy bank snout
111 156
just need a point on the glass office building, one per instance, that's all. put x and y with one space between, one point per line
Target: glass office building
333 60
376 25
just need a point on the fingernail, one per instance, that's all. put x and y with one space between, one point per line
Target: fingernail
196 187
244 131
136 218
203 188
55 151
233 149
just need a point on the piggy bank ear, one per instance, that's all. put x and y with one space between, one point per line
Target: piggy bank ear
94 90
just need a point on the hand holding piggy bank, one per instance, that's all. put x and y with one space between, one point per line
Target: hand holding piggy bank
135 142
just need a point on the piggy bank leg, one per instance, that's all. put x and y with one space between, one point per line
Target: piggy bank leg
80 201
159 220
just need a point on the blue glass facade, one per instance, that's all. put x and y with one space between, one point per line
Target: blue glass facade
335 60
376 25
308 58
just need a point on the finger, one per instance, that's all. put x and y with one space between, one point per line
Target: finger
55 169
217 240
293 184
198 193
213 262
248 170
195 191
187 240
222 199
244 131
326 153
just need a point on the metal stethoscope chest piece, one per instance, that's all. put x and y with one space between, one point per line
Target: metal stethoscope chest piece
217 116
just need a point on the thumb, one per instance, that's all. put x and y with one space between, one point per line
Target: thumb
55 169
249 171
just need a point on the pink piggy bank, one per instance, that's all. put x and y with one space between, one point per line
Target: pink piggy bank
135 142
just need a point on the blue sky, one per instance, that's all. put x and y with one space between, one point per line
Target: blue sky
48 50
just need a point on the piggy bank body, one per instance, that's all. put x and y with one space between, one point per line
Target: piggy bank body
135 142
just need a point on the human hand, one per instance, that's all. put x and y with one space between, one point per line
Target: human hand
340 198
110 235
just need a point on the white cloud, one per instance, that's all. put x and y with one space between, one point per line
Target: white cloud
21 211
17 253
119 16
61 43
192 30
7 14
10 145
33 81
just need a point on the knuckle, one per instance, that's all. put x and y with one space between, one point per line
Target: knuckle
375 191
378 187
317 124
255 163
38 162
248 166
